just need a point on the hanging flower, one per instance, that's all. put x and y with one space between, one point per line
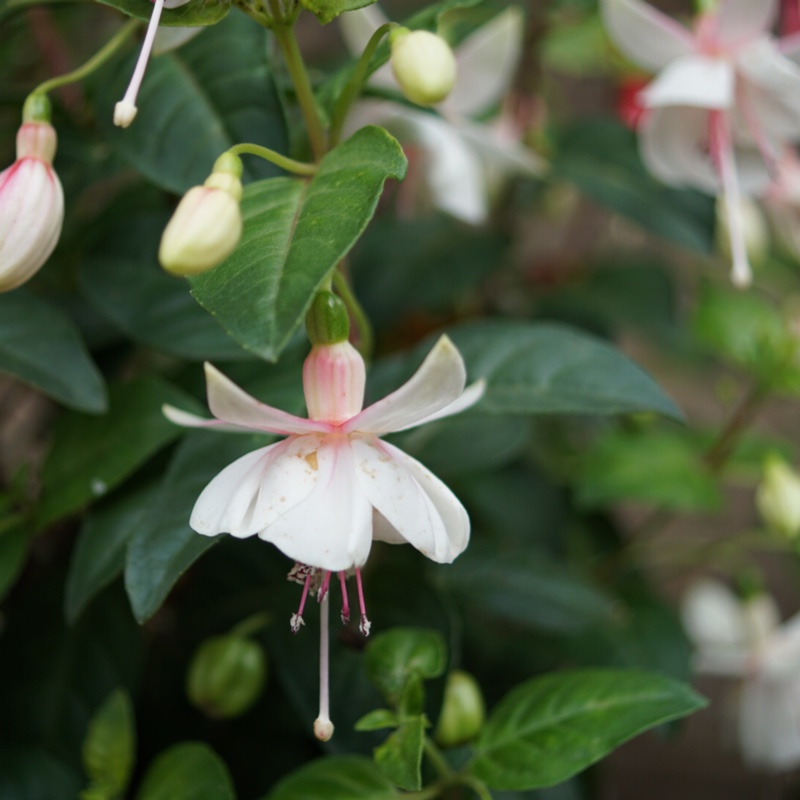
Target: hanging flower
746 640
724 102
31 205
332 486
463 160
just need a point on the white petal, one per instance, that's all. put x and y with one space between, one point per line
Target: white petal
468 398
231 404
440 546
187 420
712 616
780 656
232 502
692 81
485 64
739 20
776 82
332 528
501 151
645 35
674 147
769 723
394 491
173 37
435 385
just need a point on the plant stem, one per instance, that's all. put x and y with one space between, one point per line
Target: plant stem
366 338
477 786
284 162
438 760
252 624
93 63
287 41
356 82
429 792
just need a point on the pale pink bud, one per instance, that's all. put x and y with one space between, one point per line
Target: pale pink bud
333 381
31 206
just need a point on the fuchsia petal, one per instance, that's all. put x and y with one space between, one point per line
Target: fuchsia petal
331 528
769 723
231 404
738 21
775 79
187 420
645 35
692 81
434 386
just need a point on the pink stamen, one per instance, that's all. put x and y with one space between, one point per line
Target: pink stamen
296 622
323 589
364 624
345 600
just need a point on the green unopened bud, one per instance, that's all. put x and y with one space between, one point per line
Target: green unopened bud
37 108
778 497
207 224
327 321
463 710
226 675
423 64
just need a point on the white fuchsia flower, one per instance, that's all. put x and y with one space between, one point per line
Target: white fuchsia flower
31 206
463 159
332 486
725 100
125 110
744 639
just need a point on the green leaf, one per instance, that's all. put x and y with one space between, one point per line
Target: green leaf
92 455
13 552
600 157
397 655
295 233
163 546
218 83
327 10
189 771
662 467
99 554
109 747
335 778
40 345
527 588
548 729
194 14
154 309
400 756
31 773
377 720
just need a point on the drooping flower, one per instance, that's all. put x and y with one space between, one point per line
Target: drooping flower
463 159
31 205
125 110
724 102
329 489
746 640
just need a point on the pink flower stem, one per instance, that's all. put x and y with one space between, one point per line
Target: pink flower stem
323 589
296 621
345 600
364 625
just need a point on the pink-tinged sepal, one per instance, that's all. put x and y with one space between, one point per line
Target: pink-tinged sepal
334 377
31 206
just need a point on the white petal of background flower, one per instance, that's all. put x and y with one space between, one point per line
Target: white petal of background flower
737 21
692 81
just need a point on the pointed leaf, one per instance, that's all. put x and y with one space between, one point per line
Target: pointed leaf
194 13
189 771
295 232
400 756
335 778
550 728
40 345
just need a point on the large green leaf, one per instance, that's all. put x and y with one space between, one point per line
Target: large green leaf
295 232
99 554
41 346
155 309
400 756
108 750
91 455
335 778
550 728
218 84
193 14
189 771
164 546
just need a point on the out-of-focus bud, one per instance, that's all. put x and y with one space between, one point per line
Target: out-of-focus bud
754 230
778 497
423 64
207 224
463 710
226 675
31 199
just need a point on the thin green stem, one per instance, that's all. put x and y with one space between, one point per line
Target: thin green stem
438 760
366 339
477 786
252 624
429 792
93 63
356 83
284 162
302 83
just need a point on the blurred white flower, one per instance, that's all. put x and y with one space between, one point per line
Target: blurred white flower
463 160
746 640
724 103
